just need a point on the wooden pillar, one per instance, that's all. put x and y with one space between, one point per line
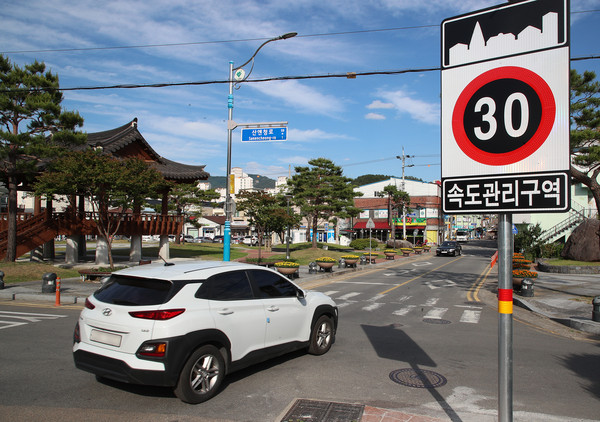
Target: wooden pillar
49 252
163 248
81 217
135 247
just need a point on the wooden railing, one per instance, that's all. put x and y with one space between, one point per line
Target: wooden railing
35 230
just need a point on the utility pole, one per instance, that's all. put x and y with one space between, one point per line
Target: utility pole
403 157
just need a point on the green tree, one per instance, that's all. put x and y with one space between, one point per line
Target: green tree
187 199
105 182
261 210
397 200
33 129
321 191
527 241
585 133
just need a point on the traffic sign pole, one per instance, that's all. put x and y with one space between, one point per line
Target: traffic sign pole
505 319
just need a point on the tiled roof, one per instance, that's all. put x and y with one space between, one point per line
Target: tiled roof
116 141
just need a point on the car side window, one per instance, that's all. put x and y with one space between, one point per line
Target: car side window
268 284
231 285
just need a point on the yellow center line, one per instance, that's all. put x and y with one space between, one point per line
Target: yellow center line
419 276
472 294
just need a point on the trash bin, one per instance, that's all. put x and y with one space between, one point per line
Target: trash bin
527 287
596 310
49 283
342 263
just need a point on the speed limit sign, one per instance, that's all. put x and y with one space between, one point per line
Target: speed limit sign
505 105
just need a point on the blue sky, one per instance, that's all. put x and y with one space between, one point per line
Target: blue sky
360 124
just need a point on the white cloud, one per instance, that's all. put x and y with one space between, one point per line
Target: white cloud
312 135
417 109
303 97
374 116
377 104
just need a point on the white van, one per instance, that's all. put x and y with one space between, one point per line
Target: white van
462 236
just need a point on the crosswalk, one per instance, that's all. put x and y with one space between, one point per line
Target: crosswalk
430 309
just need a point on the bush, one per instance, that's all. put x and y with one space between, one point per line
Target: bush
360 244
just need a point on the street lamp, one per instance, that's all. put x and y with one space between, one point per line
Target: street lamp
239 77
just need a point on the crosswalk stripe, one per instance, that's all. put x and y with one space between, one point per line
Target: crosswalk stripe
348 296
373 306
436 313
470 317
404 311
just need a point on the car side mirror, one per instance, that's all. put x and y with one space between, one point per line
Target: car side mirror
300 294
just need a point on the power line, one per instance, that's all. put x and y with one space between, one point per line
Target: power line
349 75
183 44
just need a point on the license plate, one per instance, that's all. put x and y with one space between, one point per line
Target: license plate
105 338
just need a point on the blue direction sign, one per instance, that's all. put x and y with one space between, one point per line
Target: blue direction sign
264 134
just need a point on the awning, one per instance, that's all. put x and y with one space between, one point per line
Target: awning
378 225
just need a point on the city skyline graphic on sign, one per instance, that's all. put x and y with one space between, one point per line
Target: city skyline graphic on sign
506 44
484 36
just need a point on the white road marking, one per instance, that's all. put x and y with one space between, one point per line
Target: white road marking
348 296
404 311
436 313
470 317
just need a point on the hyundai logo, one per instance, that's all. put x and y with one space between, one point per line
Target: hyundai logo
107 312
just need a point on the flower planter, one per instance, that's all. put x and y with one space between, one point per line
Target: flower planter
426 248
351 262
326 266
390 255
287 270
406 252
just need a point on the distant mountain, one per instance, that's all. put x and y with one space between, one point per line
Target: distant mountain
260 182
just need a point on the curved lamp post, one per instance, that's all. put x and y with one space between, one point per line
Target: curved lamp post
239 77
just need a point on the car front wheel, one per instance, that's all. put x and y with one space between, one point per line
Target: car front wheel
322 336
201 375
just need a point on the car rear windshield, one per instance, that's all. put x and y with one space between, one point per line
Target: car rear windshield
132 291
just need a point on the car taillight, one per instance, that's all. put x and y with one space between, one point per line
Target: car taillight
157 315
155 350
76 334
89 304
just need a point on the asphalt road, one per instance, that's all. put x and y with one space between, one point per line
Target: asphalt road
417 336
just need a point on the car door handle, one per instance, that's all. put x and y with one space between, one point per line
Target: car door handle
225 311
272 309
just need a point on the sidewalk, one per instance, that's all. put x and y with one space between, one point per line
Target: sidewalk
564 298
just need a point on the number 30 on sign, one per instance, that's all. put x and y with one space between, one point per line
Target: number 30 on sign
503 116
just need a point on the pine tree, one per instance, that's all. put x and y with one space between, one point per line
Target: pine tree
33 129
321 191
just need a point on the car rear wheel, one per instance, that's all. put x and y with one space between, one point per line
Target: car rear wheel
201 375
322 336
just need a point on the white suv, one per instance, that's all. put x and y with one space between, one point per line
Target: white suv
187 325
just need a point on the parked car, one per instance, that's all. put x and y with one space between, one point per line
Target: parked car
204 239
187 238
237 239
218 239
449 247
250 240
188 325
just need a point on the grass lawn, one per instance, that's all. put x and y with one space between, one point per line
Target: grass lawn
570 262
16 272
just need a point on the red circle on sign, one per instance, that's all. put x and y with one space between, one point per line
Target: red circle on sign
545 96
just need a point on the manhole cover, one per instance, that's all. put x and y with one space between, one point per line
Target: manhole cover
436 321
323 411
418 378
